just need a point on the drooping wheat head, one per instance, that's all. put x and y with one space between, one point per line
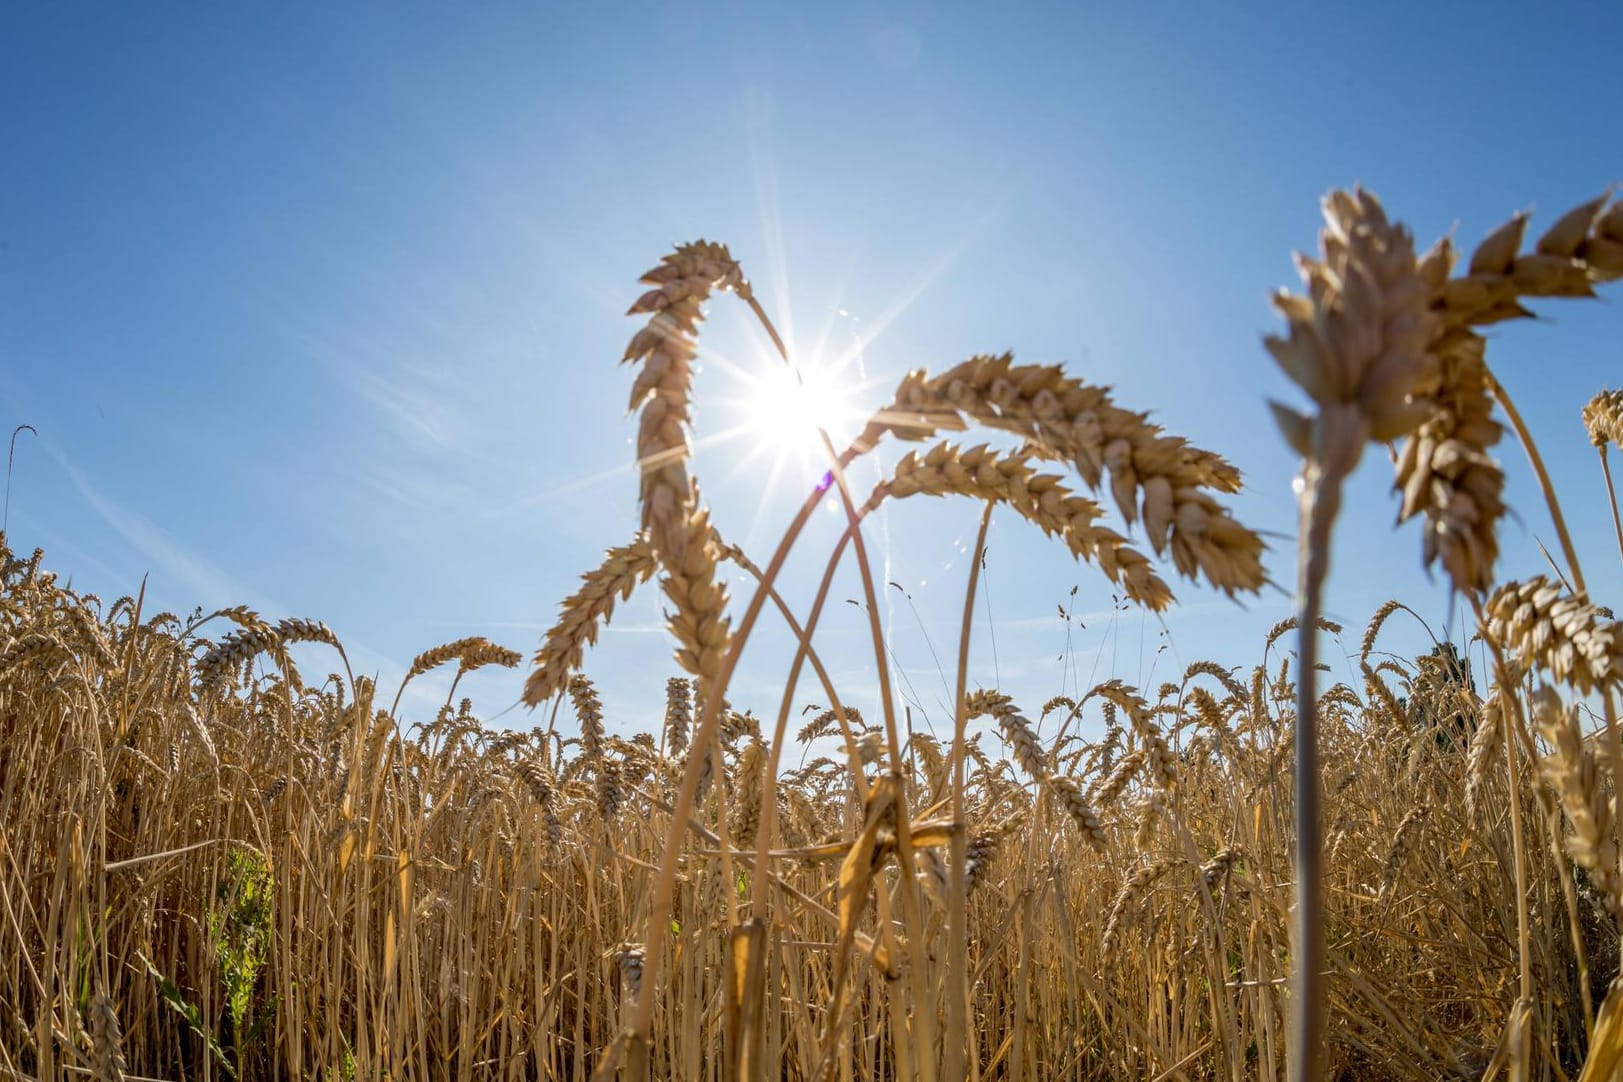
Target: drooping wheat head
1042 499
624 568
1158 478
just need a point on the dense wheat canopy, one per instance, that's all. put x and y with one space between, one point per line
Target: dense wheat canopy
321 885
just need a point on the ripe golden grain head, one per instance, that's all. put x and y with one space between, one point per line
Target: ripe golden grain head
1603 418
1547 627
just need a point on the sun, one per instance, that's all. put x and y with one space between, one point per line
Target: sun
785 408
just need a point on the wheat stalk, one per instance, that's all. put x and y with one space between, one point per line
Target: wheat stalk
1357 345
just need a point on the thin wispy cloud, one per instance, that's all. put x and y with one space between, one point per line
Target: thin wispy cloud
200 581
1095 616
412 403
210 585
415 487
418 401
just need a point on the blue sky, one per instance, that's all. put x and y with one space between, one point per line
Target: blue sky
318 308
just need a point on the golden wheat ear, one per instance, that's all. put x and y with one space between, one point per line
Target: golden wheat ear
1444 470
1603 419
624 568
1572 770
1040 498
663 389
1357 345
1158 479
474 652
1546 626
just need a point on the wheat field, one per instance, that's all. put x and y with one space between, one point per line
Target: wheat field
214 865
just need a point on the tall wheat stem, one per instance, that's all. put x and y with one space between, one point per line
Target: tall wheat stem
1320 503
804 653
5 523
957 887
923 1018
659 911
1611 496
1357 345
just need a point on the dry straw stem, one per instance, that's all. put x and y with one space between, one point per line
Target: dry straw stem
961 879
